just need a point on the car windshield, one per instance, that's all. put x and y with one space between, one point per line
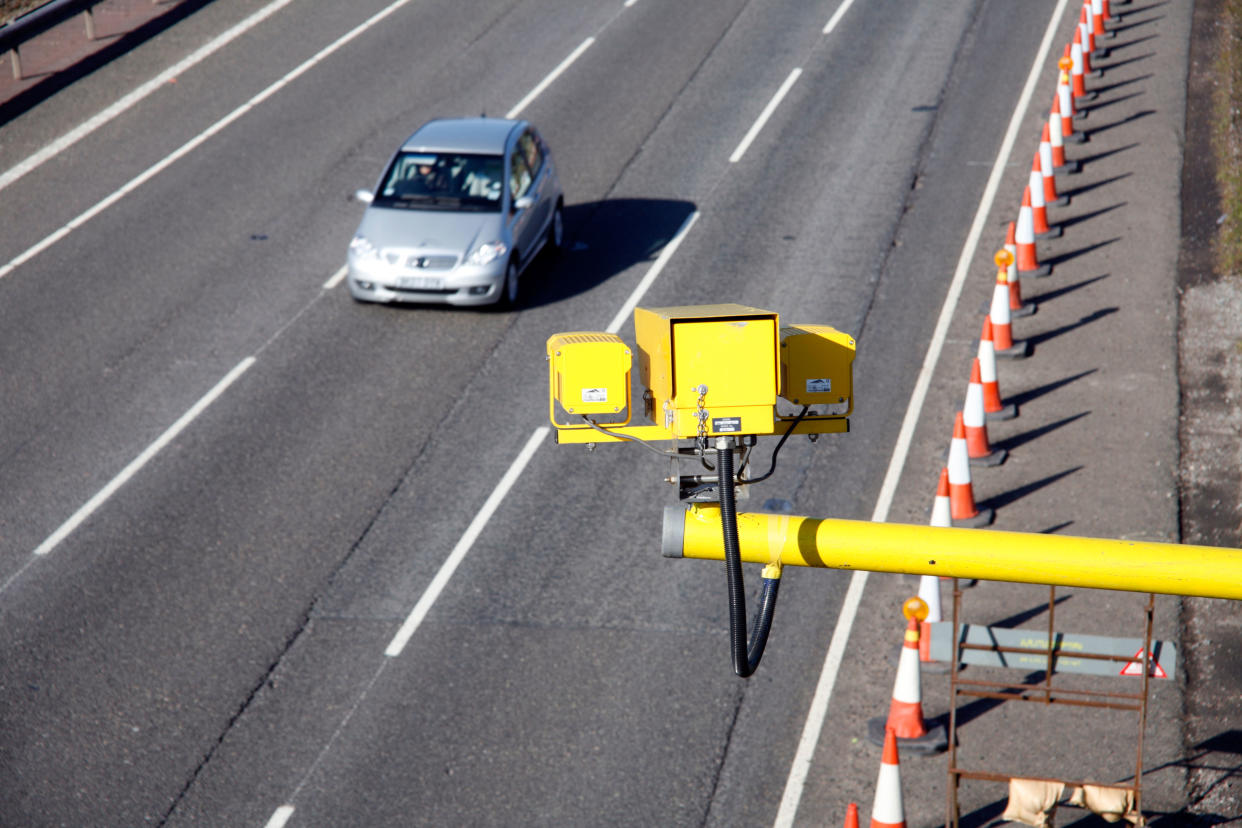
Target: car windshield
442 181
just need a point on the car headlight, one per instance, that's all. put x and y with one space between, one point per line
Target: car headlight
488 253
362 248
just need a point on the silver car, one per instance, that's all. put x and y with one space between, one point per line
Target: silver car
460 211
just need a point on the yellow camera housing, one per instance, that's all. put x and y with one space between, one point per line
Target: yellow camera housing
706 370
726 356
817 368
589 374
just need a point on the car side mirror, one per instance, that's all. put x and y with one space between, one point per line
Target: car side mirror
524 203
365 196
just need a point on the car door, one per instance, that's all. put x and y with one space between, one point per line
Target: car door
542 189
523 228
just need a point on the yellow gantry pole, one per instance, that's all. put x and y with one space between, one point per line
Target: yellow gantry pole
1136 566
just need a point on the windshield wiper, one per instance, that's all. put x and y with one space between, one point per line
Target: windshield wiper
429 199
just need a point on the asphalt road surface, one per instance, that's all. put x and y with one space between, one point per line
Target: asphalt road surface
225 487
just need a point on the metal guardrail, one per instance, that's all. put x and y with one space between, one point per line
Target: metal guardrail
36 22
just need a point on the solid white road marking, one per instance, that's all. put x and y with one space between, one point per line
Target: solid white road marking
836 18
336 278
279 818
454 559
141 460
764 116
547 81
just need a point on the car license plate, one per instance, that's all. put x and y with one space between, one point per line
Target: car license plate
420 282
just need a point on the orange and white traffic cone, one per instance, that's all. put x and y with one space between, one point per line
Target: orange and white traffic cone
888 811
940 512
851 816
1017 306
1024 240
1068 66
929 593
941 515
905 710
963 510
978 448
1056 137
1098 21
1047 169
1039 209
1003 343
1065 103
1056 142
1079 72
993 407
1090 49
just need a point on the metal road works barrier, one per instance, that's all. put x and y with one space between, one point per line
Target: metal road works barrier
694 531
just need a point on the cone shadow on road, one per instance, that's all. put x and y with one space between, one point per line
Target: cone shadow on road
1086 110
1091 107
1129 23
1039 609
1230 741
1079 219
1050 295
1073 254
1095 185
1039 338
1142 113
1023 397
1013 495
1136 59
1011 443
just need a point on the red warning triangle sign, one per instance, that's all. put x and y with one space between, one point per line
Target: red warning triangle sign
1135 667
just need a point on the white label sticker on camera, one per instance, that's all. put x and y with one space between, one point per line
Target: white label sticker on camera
595 395
818 386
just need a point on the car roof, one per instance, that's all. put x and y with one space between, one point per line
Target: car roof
479 135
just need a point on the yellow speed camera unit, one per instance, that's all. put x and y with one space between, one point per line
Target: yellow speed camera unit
705 371
713 379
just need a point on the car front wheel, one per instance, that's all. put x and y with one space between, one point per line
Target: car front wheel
556 231
512 283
